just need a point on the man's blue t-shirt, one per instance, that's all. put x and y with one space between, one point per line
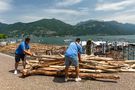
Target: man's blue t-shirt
73 50
23 46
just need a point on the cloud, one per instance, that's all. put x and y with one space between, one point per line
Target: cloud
127 16
5 5
84 9
65 11
29 18
68 2
67 15
114 6
2 20
69 11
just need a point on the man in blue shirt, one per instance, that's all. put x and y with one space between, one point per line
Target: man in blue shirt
72 55
20 53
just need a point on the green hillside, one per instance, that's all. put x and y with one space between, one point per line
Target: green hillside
54 27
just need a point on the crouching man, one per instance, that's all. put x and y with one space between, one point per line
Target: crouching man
21 52
72 56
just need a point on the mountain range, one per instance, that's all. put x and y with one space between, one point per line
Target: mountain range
54 27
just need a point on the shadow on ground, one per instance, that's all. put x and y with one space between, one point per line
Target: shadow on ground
61 80
12 71
100 80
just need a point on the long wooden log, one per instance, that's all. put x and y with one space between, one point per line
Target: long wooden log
37 65
81 69
49 56
51 61
59 73
127 70
133 66
103 76
33 61
115 64
110 64
130 61
54 63
100 67
71 70
49 69
94 70
83 57
93 62
96 58
83 66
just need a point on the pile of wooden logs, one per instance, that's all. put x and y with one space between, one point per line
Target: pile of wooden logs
35 47
90 67
46 49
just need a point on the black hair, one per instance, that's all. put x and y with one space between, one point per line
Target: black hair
27 39
78 39
89 42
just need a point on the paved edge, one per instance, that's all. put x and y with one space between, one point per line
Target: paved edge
6 55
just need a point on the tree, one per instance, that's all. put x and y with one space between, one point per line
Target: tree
3 36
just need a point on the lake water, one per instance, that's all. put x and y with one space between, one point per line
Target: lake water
60 40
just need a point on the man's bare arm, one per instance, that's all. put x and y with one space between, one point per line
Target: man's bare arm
28 52
79 57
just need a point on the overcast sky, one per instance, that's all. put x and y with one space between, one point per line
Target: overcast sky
69 11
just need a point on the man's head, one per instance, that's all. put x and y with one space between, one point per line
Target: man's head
78 40
27 40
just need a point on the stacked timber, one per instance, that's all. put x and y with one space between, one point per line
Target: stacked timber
90 67
39 49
